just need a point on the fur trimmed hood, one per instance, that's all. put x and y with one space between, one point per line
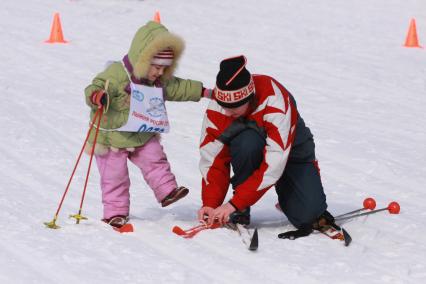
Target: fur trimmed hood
148 41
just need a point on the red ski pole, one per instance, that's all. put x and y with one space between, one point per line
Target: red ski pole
393 208
98 115
78 216
52 224
369 203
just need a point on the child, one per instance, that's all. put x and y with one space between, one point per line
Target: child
135 115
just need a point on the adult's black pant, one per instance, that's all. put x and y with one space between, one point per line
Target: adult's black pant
300 191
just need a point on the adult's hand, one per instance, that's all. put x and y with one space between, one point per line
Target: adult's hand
221 214
204 213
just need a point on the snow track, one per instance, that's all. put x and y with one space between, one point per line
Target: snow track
357 88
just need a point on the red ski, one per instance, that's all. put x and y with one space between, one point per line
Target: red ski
191 232
251 242
126 228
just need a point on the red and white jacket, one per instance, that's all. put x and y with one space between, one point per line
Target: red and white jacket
275 112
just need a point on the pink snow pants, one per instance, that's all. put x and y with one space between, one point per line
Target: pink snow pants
115 182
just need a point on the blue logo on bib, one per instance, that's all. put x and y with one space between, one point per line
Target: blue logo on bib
137 95
156 108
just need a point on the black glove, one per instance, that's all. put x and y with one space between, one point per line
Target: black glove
325 219
240 217
303 231
238 126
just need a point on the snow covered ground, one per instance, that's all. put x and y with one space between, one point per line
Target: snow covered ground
362 94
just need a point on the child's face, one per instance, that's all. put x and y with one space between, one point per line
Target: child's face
155 72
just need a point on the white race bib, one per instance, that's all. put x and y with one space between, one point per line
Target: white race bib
147 110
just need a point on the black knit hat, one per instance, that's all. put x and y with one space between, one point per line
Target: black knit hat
234 83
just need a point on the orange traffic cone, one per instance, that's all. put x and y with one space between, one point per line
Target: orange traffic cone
411 40
157 17
56 35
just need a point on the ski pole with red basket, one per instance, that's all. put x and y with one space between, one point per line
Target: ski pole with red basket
393 208
368 204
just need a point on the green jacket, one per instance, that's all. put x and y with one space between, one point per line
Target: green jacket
149 39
